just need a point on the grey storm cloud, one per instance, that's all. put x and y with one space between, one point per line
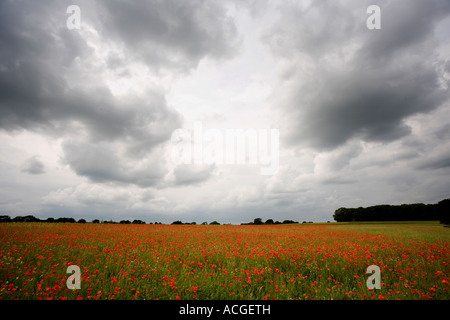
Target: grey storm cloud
36 94
439 160
87 115
174 34
48 83
371 105
192 175
353 82
407 30
33 166
100 162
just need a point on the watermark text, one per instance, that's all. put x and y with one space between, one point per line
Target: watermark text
231 146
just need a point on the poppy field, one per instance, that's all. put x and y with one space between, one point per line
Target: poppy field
223 262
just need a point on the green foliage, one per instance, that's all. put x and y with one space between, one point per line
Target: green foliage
404 212
257 221
444 211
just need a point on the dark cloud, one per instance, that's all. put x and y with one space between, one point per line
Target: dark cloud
35 90
361 103
173 34
339 159
104 163
406 30
33 166
48 80
192 174
443 133
338 181
315 29
436 160
354 82
440 163
97 95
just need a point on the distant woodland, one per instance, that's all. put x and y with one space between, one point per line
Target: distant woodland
405 212
30 218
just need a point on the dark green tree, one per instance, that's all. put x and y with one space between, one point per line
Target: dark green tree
443 211
5 219
257 221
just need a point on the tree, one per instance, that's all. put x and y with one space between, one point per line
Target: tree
340 215
257 221
5 219
269 221
81 221
96 221
443 211
177 222
26 219
110 221
65 220
385 212
215 222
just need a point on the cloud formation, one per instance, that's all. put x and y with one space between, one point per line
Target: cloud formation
87 115
170 34
33 166
54 81
347 81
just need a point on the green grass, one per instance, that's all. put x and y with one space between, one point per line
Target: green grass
412 230
423 223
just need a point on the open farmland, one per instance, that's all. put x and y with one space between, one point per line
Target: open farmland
210 262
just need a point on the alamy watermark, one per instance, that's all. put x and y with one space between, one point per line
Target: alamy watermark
74 20
374 20
231 146
374 281
74 281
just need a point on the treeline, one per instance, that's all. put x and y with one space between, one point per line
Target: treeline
413 212
29 218
194 223
258 221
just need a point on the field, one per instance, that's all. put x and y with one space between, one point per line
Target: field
217 262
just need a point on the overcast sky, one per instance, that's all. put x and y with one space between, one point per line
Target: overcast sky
87 115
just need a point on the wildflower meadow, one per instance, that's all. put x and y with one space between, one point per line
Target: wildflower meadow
224 262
